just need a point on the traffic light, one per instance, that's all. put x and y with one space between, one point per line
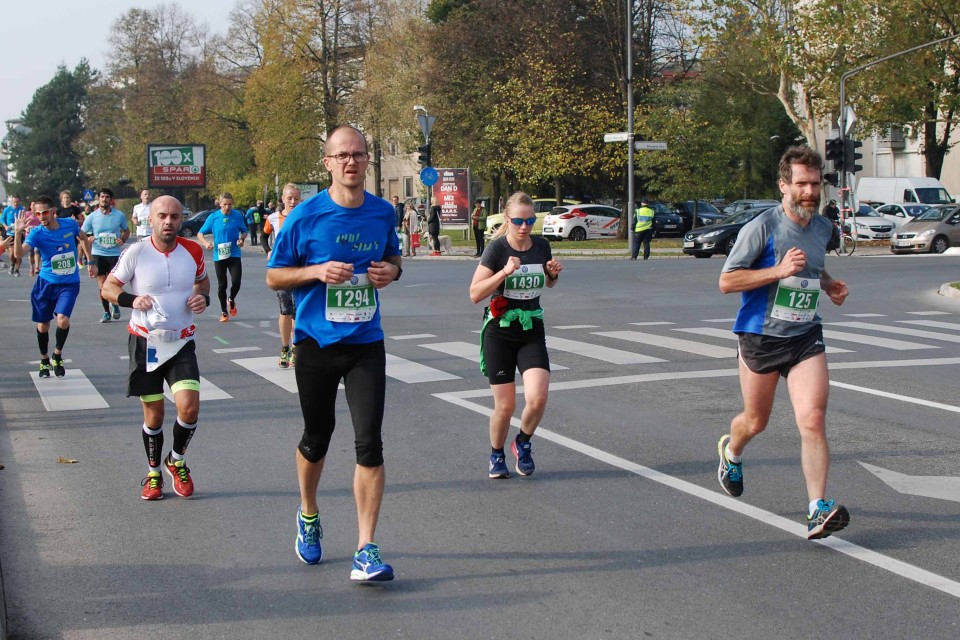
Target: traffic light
424 158
835 152
850 155
833 179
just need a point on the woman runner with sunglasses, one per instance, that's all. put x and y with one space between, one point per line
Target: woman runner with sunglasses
514 269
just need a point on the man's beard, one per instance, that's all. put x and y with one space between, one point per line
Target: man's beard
802 212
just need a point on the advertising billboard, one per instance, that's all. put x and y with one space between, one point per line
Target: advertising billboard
176 165
452 193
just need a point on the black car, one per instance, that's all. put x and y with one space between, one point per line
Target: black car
666 222
717 238
707 214
191 226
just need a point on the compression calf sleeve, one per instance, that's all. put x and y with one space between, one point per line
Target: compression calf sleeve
182 434
62 338
43 341
153 445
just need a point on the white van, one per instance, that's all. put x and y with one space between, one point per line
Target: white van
883 190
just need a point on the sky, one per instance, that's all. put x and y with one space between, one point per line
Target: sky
30 59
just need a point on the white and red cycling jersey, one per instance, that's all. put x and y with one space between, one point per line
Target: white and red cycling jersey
168 278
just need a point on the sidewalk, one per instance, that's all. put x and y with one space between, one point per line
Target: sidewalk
569 251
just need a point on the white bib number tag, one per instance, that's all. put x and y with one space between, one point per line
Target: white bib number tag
352 301
108 240
224 249
525 283
796 299
63 264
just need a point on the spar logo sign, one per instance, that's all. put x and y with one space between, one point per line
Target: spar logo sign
176 165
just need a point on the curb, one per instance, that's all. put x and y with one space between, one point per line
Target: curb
948 291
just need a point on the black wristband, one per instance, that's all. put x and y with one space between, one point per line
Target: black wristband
207 300
126 299
552 278
399 272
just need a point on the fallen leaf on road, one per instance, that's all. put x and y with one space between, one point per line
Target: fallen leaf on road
63 460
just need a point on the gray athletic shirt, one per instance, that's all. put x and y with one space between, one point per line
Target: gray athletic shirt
788 307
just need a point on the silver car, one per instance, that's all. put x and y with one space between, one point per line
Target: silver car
935 230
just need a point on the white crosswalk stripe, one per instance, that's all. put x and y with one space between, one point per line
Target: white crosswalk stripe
903 331
936 324
726 334
666 342
897 345
208 391
469 351
73 392
266 367
598 352
413 372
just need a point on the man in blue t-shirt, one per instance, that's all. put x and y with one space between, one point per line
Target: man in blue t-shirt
778 266
229 230
58 285
335 250
8 220
106 230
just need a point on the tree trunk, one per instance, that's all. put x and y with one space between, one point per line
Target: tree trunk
377 182
934 149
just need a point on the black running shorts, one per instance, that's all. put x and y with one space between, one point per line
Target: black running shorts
181 368
506 349
105 264
768 354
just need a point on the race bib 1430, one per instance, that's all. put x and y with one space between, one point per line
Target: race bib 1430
526 283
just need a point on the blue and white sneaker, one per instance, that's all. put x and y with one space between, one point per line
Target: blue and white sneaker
309 534
828 518
524 453
368 567
105 317
730 474
498 466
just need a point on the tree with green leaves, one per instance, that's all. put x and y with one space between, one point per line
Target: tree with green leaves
42 149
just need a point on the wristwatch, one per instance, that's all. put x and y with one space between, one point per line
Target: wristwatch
399 272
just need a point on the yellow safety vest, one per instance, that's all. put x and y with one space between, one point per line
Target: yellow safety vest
644 219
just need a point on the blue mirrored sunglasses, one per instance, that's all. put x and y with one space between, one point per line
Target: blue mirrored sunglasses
519 221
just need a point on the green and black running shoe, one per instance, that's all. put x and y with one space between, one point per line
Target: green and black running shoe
45 368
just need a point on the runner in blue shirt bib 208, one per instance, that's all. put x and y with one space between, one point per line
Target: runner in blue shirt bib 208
107 231
58 285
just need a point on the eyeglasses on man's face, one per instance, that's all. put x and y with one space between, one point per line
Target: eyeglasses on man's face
343 157
529 221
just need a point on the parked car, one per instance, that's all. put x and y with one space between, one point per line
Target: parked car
541 207
935 230
870 225
707 214
740 205
666 221
191 225
581 221
718 238
901 214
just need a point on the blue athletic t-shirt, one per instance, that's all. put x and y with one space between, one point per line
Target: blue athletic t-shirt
58 251
318 231
226 230
9 217
106 229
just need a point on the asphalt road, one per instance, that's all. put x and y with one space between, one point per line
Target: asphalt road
622 531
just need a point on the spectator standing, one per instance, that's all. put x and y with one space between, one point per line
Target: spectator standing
643 231
479 221
433 228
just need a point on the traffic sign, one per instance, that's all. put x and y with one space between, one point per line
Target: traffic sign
429 176
426 125
88 195
620 136
650 145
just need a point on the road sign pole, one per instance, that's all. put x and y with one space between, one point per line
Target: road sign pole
630 213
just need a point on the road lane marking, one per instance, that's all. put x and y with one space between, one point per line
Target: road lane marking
67 361
414 336
938 487
267 368
598 352
208 391
896 396
236 349
651 324
220 340
265 323
69 393
577 326
243 324
415 373
469 351
929 313
905 331
731 320
887 343
936 324
272 334
865 315
726 334
878 560
666 342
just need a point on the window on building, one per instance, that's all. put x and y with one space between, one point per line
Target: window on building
408 187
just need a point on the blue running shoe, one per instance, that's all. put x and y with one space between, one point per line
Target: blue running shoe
309 533
729 473
368 567
498 466
524 453
116 312
105 318
828 518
